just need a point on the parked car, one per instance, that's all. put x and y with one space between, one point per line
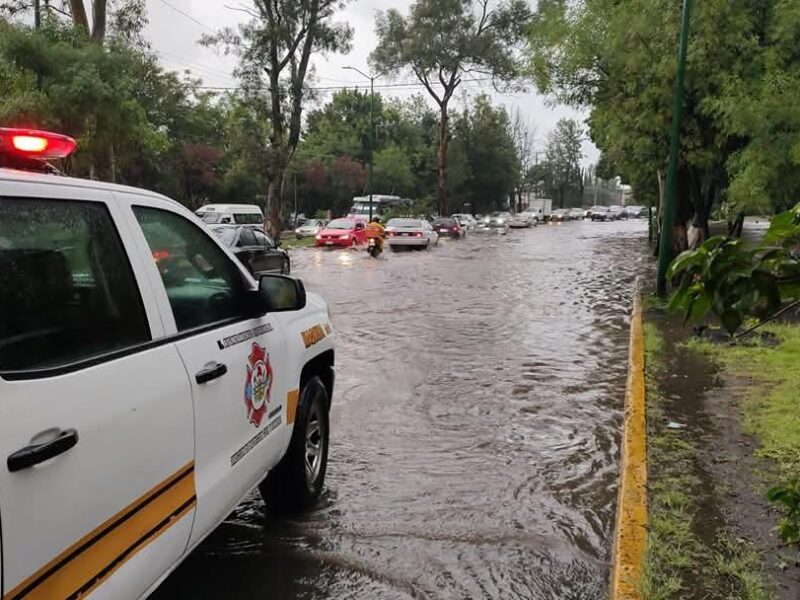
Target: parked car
254 249
310 228
468 222
448 227
576 214
601 213
144 395
618 212
559 214
521 221
239 214
410 233
343 233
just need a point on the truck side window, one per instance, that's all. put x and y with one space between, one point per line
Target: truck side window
203 285
67 291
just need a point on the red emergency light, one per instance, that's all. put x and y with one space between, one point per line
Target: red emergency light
31 143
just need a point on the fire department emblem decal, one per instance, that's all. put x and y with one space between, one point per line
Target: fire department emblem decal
258 385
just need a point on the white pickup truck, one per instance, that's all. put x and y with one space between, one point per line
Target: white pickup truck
147 382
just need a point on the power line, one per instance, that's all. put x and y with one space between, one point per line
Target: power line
407 85
175 63
188 16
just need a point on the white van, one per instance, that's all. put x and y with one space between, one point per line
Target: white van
240 214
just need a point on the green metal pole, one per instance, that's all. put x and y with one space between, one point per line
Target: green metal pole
668 220
371 141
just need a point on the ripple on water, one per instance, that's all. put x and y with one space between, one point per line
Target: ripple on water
475 426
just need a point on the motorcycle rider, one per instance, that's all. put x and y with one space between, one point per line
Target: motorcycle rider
377 231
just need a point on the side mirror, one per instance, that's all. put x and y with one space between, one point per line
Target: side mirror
278 293
277 243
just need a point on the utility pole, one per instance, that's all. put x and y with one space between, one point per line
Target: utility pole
668 220
371 147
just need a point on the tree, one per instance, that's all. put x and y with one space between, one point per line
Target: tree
274 50
491 156
618 59
563 158
442 42
523 134
392 171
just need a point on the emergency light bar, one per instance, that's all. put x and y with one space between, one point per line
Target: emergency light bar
30 143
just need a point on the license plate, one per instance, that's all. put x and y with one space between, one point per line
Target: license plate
329 243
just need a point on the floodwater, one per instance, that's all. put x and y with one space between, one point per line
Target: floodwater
475 427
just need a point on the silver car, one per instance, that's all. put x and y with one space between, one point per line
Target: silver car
410 233
309 229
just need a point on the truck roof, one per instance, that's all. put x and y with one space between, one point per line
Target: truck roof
15 176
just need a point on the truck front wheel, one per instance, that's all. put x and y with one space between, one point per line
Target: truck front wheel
296 482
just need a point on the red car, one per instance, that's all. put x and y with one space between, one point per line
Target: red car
343 233
448 227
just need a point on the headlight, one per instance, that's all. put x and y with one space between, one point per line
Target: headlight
500 221
319 237
344 237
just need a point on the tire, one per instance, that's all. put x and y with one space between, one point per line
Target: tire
293 485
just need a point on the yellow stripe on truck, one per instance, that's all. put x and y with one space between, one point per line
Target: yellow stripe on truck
292 399
94 558
631 531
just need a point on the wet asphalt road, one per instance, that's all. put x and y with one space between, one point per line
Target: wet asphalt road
475 427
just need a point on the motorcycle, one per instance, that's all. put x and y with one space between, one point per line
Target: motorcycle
374 248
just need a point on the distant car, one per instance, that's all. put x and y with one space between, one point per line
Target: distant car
498 218
410 233
576 214
521 221
560 214
601 213
254 249
309 229
637 212
467 221
342 233
618 212
496 222
448 227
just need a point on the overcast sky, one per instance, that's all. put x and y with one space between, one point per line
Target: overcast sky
176 26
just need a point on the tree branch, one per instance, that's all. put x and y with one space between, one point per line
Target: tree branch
424 79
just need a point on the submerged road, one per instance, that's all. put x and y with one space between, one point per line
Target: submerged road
475 427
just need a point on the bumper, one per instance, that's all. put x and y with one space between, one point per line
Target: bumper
407 241
335 243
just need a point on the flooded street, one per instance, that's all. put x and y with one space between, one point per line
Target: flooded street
475 426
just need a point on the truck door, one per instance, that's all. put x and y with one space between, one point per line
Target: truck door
237 365
96 438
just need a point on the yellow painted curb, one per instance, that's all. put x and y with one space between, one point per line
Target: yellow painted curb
630 536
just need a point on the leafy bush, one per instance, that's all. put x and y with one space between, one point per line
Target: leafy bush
789 496
735 280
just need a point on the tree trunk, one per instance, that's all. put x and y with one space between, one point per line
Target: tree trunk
680 239
275 203
99 18
441 183
79 18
